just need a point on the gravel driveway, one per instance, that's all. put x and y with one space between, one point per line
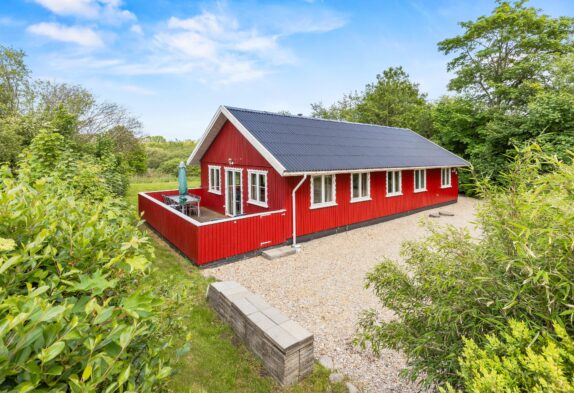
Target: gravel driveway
322 288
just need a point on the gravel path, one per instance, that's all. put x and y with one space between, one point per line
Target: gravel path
322 288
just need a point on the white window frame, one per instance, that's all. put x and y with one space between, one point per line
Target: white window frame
364 197
445 173
250 198
424 172
400 189
211 187
333 201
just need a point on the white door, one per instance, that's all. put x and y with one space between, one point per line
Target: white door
233 192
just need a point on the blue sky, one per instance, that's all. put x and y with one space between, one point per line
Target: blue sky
171 63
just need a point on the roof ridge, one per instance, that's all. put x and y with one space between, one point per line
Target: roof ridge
312 118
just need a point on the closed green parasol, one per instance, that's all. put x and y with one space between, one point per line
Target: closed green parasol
182 180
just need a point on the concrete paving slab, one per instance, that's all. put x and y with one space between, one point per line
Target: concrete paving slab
278 252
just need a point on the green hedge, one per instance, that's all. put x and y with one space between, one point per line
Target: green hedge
71 318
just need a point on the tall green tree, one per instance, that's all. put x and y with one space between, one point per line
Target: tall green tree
513 73
504 59
28 106
14 80
392 100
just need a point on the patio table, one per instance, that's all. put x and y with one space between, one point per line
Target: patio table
189 200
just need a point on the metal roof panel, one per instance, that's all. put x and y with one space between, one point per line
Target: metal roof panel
304 144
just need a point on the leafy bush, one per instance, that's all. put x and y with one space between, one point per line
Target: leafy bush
521 267
70 319
95 176
519 361
165 156
170 166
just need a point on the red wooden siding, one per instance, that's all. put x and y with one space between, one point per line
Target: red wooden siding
240 236
230 149
176 229
212 241
261 227
345 212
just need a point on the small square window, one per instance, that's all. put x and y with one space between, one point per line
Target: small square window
360 187
323 191
214 179
257 187
420 176
394 183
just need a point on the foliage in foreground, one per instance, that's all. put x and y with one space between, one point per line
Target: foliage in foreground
521 267
520 360
71 318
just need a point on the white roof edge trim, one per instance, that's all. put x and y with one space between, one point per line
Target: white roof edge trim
254 142
204 136
222 110
330 172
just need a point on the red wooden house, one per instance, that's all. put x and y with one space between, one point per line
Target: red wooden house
270 179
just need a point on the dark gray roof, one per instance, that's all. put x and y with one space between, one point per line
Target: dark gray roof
304 144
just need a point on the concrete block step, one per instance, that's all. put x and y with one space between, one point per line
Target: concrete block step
278 252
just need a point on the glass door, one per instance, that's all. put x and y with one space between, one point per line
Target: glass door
233 192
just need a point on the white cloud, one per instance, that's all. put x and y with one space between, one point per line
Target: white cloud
136 29
108 11
216 46
78 35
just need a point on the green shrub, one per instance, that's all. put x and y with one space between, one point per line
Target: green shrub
519 360
170 166
454 286
51 156
70 317
159 151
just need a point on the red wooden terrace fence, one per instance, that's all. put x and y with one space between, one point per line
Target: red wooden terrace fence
205 242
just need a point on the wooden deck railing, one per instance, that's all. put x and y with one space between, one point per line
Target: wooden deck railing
216 240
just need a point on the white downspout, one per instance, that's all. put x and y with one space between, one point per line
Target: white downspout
294 211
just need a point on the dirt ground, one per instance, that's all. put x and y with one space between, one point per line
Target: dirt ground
322 288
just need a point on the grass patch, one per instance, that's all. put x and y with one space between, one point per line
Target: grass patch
156 185
215 360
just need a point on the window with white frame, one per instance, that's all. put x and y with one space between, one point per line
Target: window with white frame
360 186
214 181
420 180
257 187
323 191
445 180
394 183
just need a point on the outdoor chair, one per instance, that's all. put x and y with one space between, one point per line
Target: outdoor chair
169 202
193 207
